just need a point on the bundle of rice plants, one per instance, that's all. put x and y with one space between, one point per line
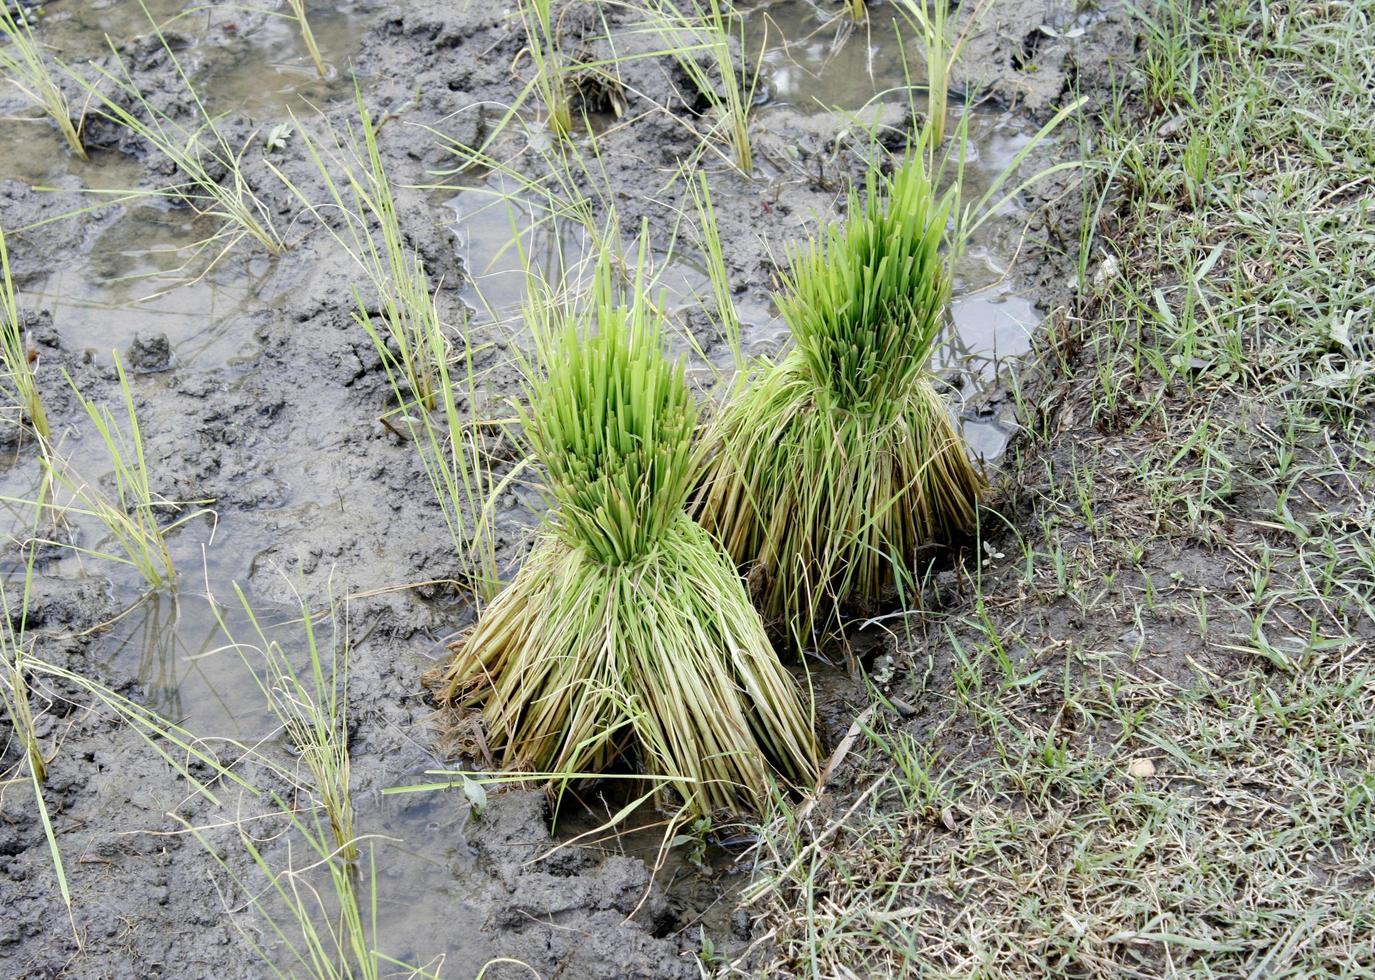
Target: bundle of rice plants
833 466
627 630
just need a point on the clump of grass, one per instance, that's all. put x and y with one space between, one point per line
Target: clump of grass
130 514
551 74
23 61
18 370
698 36
940 52
411 341
298 10
212 175
836 464
324 931
627 629
312 707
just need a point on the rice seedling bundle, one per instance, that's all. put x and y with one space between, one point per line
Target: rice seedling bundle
627 630
833 466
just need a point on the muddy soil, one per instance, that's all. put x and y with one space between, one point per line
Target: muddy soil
257 390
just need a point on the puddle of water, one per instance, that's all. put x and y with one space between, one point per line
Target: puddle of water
429 856
253 63
818 58
272 71
126 283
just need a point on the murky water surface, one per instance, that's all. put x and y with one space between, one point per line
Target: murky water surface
121 285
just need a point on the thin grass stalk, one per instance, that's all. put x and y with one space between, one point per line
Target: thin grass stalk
14 689
839 463
22 59
627 629
14 355
16 696
932 18
298 10
453 455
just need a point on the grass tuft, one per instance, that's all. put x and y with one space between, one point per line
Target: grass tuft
627 629
834 466
212 179
551 74
19 375
28 69
130 514
698 35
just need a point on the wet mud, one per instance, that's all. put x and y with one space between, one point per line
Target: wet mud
257 390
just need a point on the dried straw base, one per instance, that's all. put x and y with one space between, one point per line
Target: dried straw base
826 507
578 662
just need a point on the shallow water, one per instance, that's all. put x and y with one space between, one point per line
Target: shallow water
119 286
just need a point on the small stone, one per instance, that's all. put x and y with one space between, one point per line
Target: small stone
740 924
150 354
1141 769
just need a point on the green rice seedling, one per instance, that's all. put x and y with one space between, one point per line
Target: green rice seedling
858 10
627 630
698 36
403 298
335 928
312 706
835 465
714 258
941 51
130 515
551 75
212 179
14 355
23 61
298 10
412 343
